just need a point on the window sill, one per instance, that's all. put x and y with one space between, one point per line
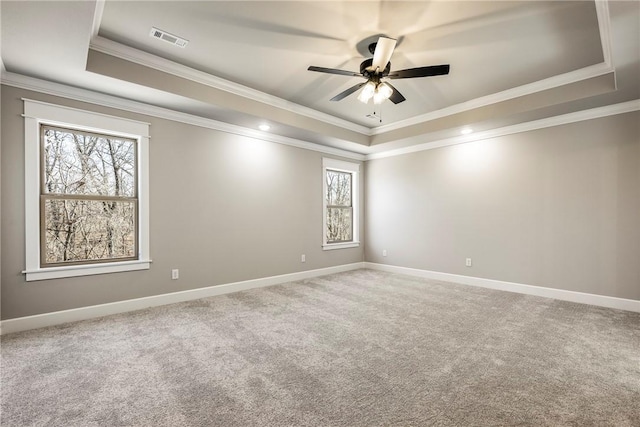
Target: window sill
332 246
85 270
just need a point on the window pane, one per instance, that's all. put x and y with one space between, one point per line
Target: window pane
339 225
81 230
338 188
81 163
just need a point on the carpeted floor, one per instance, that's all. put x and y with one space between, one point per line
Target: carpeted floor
362 348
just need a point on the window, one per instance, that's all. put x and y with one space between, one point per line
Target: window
88 197
86 201
340 203
339 207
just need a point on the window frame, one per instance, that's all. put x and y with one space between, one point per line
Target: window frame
45 196
348 207
36 114
354 170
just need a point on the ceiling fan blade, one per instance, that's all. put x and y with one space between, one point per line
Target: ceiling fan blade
333 71
433 70
396 97
383 52
347 92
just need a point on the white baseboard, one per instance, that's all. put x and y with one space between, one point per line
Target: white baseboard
83 313
94 311
560 294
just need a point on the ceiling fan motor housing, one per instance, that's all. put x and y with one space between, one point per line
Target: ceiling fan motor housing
366 64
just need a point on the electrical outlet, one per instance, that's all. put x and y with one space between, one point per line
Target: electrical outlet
175 274
303 258
468 262
384 252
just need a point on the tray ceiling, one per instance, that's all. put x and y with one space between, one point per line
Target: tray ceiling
247 61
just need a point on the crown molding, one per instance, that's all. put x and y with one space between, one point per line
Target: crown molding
84 95
127 53
118 50
97 18
604 25
578 116
516 92
136 56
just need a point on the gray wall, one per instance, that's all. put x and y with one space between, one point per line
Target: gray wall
224 208
557 207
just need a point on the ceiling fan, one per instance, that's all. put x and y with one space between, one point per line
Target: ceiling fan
375 69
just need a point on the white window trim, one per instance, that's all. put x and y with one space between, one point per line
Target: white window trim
36 113
354 169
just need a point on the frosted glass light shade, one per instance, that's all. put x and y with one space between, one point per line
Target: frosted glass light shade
383 91
367 92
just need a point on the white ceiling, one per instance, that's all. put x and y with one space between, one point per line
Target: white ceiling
244 56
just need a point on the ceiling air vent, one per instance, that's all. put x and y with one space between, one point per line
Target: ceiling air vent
168 37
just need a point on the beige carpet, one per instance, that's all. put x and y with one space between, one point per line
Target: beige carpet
362 348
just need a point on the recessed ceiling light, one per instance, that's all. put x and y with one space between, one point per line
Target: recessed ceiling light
466 131
264 127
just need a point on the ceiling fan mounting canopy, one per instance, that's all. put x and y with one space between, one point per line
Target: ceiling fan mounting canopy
379 67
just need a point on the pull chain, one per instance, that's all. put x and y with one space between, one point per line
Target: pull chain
377 115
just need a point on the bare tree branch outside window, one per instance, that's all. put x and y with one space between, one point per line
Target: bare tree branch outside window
339 206
88 197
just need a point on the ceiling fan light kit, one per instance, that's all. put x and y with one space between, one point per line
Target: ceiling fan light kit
383 91
379 67
367 92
